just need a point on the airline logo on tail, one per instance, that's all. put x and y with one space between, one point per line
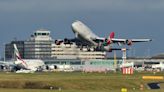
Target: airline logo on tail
108 41
18 57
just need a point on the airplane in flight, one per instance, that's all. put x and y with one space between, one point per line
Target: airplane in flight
85 35
26 65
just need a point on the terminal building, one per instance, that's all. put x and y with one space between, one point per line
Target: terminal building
41 46
72 51
9 49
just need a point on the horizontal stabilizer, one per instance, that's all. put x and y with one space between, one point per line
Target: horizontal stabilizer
116 49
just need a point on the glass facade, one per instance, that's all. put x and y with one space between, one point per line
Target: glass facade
9 49
37 49
63 61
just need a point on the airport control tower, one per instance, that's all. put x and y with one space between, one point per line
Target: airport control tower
39 45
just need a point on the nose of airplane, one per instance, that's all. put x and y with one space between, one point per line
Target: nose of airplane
73 24
73 27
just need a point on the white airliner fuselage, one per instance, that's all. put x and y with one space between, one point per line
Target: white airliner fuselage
27 64
30 64
81 31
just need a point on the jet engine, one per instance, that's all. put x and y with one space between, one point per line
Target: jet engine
58 41
129 42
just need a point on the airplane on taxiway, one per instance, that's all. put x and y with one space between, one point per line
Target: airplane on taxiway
26 65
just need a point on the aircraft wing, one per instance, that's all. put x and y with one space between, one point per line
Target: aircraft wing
128 41
114 40
141 40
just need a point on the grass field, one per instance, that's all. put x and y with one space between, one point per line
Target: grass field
75 82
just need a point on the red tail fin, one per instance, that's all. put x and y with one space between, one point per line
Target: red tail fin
111 35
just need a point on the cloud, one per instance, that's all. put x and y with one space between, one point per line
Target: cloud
80 5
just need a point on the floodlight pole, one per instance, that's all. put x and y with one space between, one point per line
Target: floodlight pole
4 56
124 55
115 60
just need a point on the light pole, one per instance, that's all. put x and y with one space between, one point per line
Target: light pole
124 55
4 58
115 60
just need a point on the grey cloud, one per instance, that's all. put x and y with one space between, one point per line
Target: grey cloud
81 5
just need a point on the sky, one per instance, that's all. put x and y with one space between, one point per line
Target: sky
127 18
